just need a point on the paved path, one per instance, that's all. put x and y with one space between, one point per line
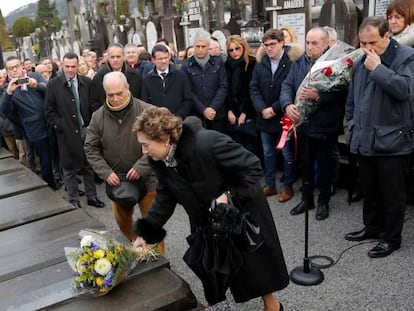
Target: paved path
356 282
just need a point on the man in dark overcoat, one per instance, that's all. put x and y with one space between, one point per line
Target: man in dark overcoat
166 86
209 83
116 62
68 113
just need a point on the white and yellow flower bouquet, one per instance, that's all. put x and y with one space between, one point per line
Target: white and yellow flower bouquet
101 262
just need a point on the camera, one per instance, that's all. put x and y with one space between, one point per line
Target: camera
22 80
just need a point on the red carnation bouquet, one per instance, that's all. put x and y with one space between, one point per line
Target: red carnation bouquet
332 71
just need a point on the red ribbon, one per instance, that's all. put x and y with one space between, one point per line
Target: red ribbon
287 126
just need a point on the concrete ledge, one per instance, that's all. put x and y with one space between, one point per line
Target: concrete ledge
31 206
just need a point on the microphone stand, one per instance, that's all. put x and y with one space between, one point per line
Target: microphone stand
306 275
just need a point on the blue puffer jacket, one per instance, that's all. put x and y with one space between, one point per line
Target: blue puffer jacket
29 105
327 119
379 107
209 85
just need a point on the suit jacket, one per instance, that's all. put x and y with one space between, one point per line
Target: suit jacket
62 118
173 93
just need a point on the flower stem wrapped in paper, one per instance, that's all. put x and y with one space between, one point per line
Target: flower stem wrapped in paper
331 72
102 262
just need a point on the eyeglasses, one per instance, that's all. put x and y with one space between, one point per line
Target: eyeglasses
235 49
14 67
271 44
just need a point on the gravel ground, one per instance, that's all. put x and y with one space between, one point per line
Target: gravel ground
355 282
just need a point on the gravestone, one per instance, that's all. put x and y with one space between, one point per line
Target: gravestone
342 16
151 35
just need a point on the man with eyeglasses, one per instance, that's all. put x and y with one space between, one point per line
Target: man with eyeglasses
318 136
68 112
265 87
209 83
25 95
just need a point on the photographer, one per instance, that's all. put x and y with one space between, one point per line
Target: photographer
25 96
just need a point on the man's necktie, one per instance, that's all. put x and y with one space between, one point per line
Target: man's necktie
77 103
163 75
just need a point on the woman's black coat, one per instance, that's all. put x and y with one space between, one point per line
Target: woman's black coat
208 164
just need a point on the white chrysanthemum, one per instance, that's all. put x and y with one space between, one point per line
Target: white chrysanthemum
86 241
102 266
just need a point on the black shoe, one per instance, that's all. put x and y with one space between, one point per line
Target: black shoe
356 196
77 205
96 202
361 235
281 306
81 193
323 211
383 249
300 208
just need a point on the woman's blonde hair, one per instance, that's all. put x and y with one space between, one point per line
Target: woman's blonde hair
159 124
292 33
247 50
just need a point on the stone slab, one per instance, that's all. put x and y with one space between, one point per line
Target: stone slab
30 206
8 165
19 182
52 286
5 154
40 244
161 289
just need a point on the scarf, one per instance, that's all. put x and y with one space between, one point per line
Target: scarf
202 61
170 160
120 111
236 65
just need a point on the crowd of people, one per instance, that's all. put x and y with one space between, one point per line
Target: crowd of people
203 121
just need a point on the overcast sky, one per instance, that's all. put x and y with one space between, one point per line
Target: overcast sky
9 5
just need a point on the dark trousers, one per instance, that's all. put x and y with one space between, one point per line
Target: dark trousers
384 186
317 150
217 124
72 185
42 148
71 179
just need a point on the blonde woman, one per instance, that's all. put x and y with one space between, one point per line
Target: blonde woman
241 115
84 69
289 35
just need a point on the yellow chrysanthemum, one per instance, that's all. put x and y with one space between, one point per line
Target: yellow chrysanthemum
99 281
99 253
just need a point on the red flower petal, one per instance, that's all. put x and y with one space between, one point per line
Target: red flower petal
327 71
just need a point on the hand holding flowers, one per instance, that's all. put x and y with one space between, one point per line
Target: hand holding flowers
331 72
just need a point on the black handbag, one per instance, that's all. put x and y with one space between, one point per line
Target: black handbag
128 193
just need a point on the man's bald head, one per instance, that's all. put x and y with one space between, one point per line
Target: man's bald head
116 88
